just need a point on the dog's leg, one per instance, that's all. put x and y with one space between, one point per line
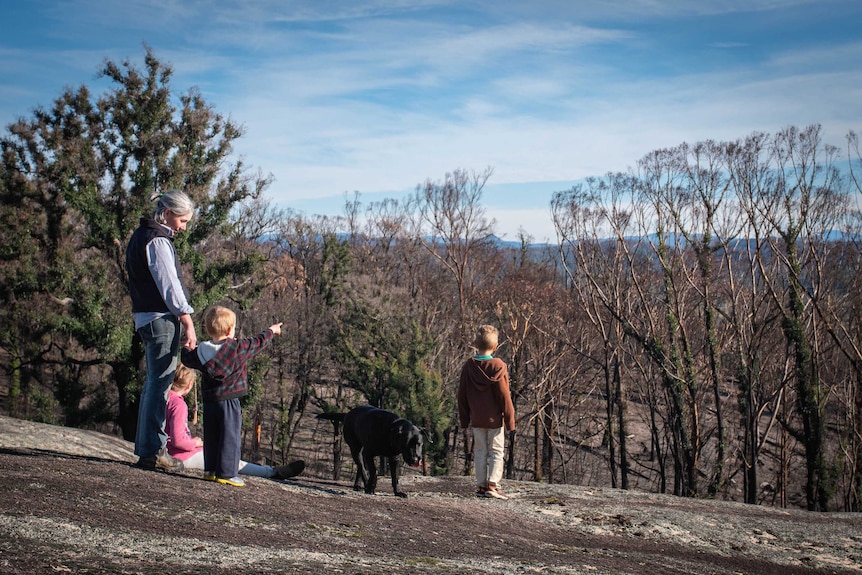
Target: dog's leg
361 479
393 472
371 474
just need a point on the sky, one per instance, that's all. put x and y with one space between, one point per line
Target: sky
379 96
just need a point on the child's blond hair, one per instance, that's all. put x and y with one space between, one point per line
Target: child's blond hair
487 338
183 378
218 321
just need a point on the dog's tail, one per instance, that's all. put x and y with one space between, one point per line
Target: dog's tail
331 416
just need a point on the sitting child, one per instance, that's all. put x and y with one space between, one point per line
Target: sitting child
190 450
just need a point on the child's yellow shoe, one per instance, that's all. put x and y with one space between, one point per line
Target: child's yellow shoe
235 481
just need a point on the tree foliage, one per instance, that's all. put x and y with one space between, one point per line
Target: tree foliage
80 175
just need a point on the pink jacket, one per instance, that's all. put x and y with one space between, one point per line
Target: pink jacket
181 444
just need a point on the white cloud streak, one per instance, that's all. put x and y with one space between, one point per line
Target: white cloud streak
377 96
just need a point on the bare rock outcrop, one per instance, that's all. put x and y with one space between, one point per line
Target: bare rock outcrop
72 503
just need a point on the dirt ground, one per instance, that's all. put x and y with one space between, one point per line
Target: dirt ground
71 502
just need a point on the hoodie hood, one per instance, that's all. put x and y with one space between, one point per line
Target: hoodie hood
485 373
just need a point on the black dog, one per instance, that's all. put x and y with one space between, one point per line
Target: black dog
371 432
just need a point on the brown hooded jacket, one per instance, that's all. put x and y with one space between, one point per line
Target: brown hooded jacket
484 400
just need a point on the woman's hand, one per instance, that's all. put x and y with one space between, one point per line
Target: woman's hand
191 339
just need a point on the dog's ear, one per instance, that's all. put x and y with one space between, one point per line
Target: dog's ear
399 435
426 434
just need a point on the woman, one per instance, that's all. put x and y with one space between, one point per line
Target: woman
159 307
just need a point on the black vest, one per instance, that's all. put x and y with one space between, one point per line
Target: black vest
142 286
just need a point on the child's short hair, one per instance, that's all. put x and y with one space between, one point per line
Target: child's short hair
487 338
183 378
218 320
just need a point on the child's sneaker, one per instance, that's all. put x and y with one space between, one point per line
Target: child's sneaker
292 469
495 493
209 476
480 491
235 481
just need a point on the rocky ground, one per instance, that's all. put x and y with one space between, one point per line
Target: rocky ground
71 502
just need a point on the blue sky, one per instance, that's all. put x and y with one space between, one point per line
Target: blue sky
377 96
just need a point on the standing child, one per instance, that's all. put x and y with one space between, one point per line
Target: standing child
484 402
190 449
224 364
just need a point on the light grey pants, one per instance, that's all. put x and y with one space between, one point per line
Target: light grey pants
488 446
196 461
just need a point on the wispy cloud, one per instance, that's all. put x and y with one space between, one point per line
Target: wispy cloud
377 96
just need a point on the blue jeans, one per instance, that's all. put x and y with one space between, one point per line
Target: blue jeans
161 343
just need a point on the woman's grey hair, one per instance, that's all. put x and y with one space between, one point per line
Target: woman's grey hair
174 200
